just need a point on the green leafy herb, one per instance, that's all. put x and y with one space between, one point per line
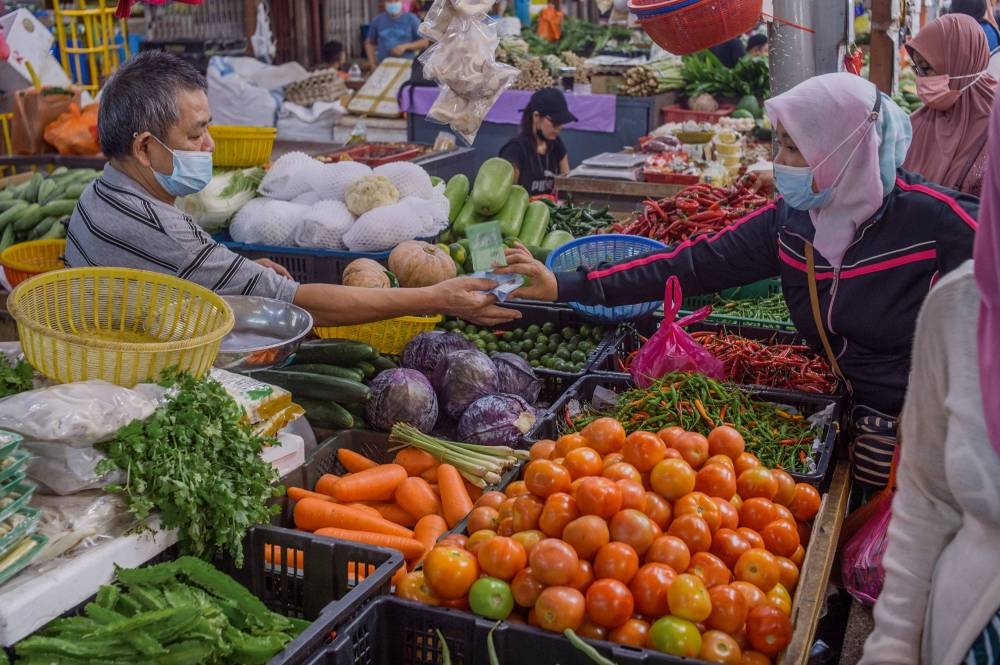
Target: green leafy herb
15 377
197 463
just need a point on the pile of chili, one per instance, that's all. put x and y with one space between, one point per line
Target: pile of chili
787 366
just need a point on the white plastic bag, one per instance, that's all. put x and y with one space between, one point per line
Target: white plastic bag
60 468
236 100
409 178
324 226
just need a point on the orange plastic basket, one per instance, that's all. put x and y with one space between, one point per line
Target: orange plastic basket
27 259
702 24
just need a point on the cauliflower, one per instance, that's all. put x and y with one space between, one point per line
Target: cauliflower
370 192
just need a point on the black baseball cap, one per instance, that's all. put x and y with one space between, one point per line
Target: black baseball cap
551 103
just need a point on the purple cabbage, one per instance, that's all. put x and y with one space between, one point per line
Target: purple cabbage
517 377
402 396
462 377
423 352
496 420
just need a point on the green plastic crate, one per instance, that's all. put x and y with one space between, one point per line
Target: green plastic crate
762 289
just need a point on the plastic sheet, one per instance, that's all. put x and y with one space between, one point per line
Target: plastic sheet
861 567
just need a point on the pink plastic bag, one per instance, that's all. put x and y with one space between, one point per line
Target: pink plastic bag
671 349
861 560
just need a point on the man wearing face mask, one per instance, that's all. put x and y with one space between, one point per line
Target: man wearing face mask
153 127
857 241
394 33
950 59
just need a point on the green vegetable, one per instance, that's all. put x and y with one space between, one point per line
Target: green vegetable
12 213
315 386
7 238
466 218
332 370
586 649
57 230
492 186
29 217
367 369
555 239
535 225
511 216
345 353
578 221
327 414
741 114
748 104
456 191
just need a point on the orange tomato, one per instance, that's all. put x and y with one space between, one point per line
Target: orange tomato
598 496
413 586
450 571
542 449
751 594
649 588
754 658
586 535
758 567
454 540
725 440
591 630
544 477
527 511
799 557
526 588
768 629
622 471
721 459
688 598
717 480
506 509
554 563
745 461
670 550
805 502
780 598
783 513
609 603
751 537
693 530
613 459
491 499
582 462
756 482
633 528
633 633
617 561
729 609
529 539
718 647
756 513
605 435
700 504
483 517
502 558
566 443
559 608
670 434
584 577
729 546
672 479
693 447
730 514
786 486
516 489
788 573
781 537
633 494
657 509
478 539
710 568
559 510
643 450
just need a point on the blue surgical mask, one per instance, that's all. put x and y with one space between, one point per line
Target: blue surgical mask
192 171
394 7
795 184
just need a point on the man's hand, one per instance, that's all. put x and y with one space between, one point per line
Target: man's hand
460 297
542 284
268 263
399 49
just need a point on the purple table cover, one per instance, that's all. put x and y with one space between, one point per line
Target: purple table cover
596 113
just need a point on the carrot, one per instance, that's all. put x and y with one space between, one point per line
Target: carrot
299 493
325 484
390 510
410 548
376 484
311 515
415 461
431 474
365 508
272 554
455 499
428 529
355 462
415 496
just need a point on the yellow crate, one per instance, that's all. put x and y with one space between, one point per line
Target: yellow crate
387 337
120 325
27 259
242 147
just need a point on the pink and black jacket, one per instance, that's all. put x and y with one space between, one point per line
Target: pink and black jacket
870 304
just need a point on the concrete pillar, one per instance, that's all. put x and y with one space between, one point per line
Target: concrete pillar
829 20
792 56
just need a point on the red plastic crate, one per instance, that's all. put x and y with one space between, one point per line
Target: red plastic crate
677 113
670 178
375 154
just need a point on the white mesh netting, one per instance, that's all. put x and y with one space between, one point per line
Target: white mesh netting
409 178
267 222
286 178
384 228
323 226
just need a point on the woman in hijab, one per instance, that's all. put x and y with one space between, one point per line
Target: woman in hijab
940 599
856 240
950 57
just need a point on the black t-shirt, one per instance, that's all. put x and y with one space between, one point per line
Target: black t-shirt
729 53
537 173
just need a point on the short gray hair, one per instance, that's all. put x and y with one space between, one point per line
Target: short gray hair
142 97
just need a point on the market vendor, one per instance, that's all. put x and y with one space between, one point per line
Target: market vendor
950 58
153 127
537 152
882 238
394 34
335 58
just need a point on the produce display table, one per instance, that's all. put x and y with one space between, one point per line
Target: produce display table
619 195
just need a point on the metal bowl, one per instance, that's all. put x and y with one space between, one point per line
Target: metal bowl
266 333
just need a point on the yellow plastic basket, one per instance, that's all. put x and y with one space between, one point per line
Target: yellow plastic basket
120 325
27 259
387 337
242 147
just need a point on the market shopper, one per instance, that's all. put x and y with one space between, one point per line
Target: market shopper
757 45
537 152
153 126
950 59
394 34
940 599
335 58
882 237
982 12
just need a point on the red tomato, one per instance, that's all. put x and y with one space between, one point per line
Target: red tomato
605 435
582 462
617 561
634 528
559 608
751 537
672 478
633 494
529 539
633 633
544 477
786 486
502 558
788 573
716 480
559 510
717 647
450 571
710 568
491 499
671 551
725 440
702 505
670 435
729 513
622 471
413 586
693 530
751 594
598 496
756 513
780 598
757 482
768 629
609 603
592 631
693 447
643 450
805 502
483 517
478 539
554 562
742 463
527 510
543 449
526 588
657 509
729 546
649 588
729 609
781 537
584 577
516 489
564 444
760 568
783 513
587 535
688 598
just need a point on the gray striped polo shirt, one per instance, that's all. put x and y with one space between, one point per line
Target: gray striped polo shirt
118 224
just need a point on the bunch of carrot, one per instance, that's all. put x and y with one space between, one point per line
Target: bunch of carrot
404 505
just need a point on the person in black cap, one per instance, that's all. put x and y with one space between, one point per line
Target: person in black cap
537 153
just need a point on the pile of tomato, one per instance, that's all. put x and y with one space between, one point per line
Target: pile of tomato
670 540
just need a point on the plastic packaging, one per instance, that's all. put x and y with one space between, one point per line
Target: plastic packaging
861 567
671 349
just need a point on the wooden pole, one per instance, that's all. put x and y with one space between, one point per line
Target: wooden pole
883 52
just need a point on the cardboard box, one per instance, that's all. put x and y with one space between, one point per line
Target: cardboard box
606 84
378 96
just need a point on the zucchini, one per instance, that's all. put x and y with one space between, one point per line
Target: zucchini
466 218
536 224
74 191
382 364
511 216
315 386
456 191
367 368
329 415
331 370
29 217
556 238
57 231
7 237
8 203
43 227
30 193
48 191
343 352
58 171
9 215
492 186
60 207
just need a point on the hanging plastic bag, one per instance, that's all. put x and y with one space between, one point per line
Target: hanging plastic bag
75 131
861 566
671 349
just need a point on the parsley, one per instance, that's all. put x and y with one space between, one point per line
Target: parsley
198 464
15 378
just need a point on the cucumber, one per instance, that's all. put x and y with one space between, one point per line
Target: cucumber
43 227
382 364
48 191
8 203
60 207
346 353
315 386
30 193
536 224
492 186
7 237
6 195
328 415
511 216
12 214
367 368
556 238
29 217
456 191
466 218
58 171
74 191
57 232
332 370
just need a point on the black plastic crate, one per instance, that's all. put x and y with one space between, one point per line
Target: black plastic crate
392 631
553 424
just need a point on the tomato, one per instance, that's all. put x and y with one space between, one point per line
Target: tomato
633 494
725 440
754 658
592 631
743 462
542 449
612 459
759 567
582 462
688 598
559 510
728 512
587 535
609 603
781 537
693 530
780 598
788 573
478 539
710 568
669 435
491 499
529 539
717 647
675 636
657 509
491 598
672 479
721 459
455 540
756 513
605 435
768 629
805 531
729 609
526 588
461 604
506 527
783 513
755 482
483 517
622 471
559 608
617 561
693 447
413 586
598 496
751 537
634 528
450 571
716 480
527 511
702 505
805 502
729 546
799 557
632 633
643 450
584 577
554 562
544 477
516 489
649 589
502 558
786 486
671 551
565 444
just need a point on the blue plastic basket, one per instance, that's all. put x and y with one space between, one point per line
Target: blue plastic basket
657 11
592 251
